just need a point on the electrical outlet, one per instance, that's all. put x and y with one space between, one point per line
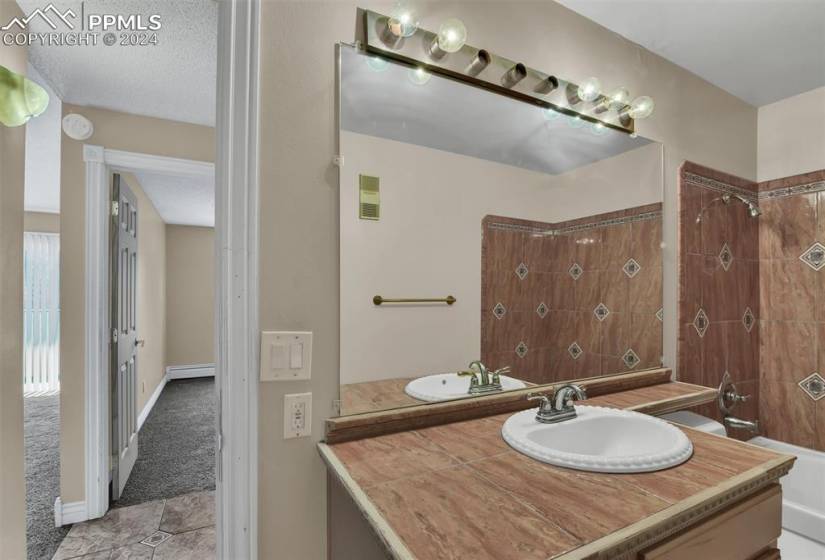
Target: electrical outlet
297 415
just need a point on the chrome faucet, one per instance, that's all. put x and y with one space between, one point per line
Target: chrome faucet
559 408
750 425
483 380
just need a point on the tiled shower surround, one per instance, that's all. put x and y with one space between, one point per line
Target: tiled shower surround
572 299
752 298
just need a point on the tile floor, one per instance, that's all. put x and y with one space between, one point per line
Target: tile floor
180 528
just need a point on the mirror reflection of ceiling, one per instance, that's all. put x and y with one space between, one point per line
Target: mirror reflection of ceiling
379 99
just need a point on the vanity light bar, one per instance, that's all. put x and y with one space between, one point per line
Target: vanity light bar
489 71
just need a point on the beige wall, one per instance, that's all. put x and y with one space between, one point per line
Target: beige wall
42 222
299 196
151 294
113 130
12 170
428 243
190 295
792 136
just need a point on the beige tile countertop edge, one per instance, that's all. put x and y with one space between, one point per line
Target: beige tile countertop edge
642 533
391 541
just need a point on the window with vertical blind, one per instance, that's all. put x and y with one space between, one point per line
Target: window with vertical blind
41 313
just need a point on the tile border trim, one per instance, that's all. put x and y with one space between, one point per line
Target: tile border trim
781 192
656 214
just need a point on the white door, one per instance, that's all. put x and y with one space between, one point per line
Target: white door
124 334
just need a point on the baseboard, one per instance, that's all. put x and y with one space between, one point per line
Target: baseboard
66 514
147 408
190 371
174 372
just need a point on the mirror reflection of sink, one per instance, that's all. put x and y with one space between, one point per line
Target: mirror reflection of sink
447 386
600 440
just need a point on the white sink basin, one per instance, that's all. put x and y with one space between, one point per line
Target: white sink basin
600 440
446 386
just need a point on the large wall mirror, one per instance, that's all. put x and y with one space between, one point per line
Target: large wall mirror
544 229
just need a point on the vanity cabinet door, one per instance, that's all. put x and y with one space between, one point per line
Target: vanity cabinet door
747 530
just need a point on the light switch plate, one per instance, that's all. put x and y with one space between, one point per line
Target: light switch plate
297 415
286 356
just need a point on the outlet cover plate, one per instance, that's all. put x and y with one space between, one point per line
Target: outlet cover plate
297 415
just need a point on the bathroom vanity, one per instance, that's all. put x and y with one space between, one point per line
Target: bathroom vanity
514 225
457 490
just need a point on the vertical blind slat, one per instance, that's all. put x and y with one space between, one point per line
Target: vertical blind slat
41 313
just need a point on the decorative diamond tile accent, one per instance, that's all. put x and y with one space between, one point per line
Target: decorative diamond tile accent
499 310
701 323
155 538
576 271
601 312
814 386
575 350
748 319
521 350
814 256
660 314
521 271
631 268
630 358
726 257
542 310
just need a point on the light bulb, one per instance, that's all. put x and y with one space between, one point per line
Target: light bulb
377 63
452 35
403 20
418 76
590 89
619 96
576 122
641 108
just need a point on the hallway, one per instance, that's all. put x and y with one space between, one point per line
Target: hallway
170 489
176 444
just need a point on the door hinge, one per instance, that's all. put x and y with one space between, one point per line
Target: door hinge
114 336
115 208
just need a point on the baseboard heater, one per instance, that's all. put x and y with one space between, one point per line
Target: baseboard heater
190 371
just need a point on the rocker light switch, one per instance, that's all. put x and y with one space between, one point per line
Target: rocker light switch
286 356
296 355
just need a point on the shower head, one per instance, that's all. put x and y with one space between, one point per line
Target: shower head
753 210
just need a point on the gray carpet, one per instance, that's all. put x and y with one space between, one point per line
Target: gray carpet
176 445
42 437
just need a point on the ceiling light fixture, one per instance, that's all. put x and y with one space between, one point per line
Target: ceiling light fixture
20 98
451 37
514 75
403 21
641 108
479 63
589 90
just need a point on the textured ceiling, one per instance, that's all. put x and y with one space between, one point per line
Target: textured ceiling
174 80
759 50
450 116
182 201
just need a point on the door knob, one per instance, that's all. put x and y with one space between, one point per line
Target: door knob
140 342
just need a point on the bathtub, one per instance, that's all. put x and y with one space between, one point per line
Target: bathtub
803 490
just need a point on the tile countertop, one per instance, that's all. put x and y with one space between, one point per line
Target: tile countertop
458 491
